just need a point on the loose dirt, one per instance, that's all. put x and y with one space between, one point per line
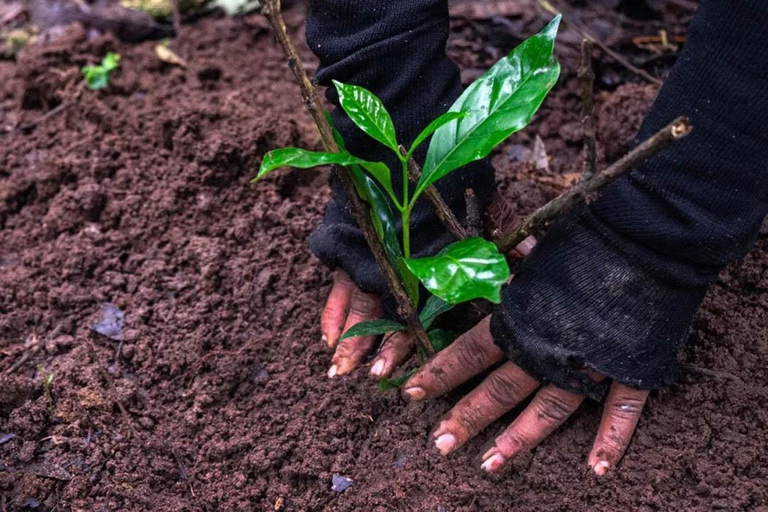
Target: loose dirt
214 395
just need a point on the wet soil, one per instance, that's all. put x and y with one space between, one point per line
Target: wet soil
213 394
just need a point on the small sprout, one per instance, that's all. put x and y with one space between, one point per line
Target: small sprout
97 77
47 382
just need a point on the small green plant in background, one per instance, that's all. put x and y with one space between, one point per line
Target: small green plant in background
497 104
97 77
47 382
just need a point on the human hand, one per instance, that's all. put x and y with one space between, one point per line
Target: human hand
503 390
347 305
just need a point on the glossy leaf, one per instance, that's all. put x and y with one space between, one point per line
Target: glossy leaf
432 127
368 113
385 384
303 159
371 328
382 218
434 307
440 338
497 104
410 282
468 269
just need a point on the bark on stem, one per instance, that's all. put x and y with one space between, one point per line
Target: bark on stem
360 210
587 78
442 210
542 217
474 218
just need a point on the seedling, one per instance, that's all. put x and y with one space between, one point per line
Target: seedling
47 382
499 103
97 77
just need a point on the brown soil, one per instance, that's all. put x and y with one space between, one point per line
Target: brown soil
216 397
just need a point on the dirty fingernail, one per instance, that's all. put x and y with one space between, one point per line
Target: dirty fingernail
332 371
324 339
415 393
445 443
378 368
493 463
601 467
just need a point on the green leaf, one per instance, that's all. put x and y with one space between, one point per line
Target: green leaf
440 338
434 307
465 270
499 103
372 327
410 282
385 384
303 159
97 77
432 127
368 113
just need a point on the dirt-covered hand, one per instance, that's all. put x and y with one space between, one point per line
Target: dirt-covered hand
347 305
502 391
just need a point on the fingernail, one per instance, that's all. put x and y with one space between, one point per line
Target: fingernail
445 443
378 368
415 393
493 463
324 339
332 371
601 467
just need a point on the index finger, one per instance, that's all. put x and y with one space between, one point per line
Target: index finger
470 354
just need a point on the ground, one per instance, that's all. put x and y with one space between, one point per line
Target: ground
213 395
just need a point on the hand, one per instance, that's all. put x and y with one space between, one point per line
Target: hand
504 389
347 305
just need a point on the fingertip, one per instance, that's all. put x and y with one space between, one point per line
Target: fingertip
601 468
377 370
493 463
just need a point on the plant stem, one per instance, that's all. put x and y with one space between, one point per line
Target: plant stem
587 78
406 211
360 210
442 210
542 217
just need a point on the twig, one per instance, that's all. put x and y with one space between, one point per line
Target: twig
587 78
442 210
474 221
541 218
27 127
549 7
360 210
176 17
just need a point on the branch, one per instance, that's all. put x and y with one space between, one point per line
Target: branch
360 210
442 210
542 217
567 18
587 78
474 220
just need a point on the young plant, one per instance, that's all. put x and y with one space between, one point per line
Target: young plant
47 383
499 103
97 77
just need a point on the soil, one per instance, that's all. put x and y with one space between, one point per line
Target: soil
213 394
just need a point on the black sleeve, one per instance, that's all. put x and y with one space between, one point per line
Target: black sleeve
396 49
614 285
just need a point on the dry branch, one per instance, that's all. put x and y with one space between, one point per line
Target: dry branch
553 7
474 219
587 78
542 217
360 210
442 210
